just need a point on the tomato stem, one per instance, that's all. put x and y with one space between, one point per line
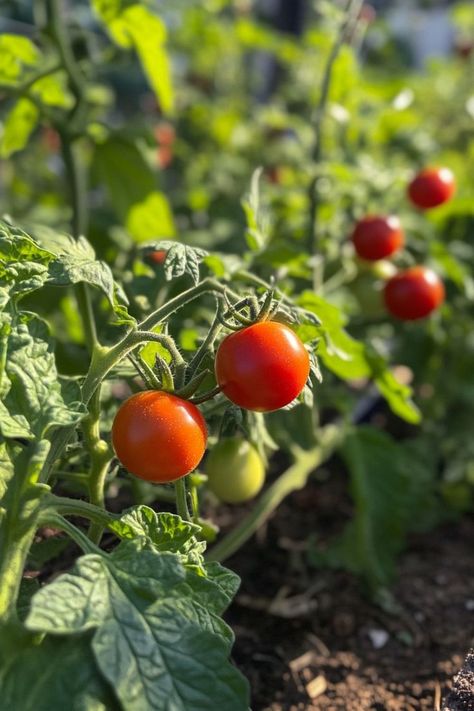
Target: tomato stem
206 396
51 518
181 499
351 14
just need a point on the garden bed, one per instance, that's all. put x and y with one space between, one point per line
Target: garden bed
328 647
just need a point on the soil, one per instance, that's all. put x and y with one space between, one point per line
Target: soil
311 639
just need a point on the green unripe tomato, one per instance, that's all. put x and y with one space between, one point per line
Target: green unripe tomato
235 470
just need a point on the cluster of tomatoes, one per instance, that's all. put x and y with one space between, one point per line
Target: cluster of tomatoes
161 437
415 292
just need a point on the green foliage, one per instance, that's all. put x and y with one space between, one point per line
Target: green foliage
143 596
18 127
131 185
131 24
392 490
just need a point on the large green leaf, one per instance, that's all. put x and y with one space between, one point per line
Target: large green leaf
75 262
23 263
132 188
54 675
132 25
28 263
17 55
18 127
34 400
20 61
392 487
157 640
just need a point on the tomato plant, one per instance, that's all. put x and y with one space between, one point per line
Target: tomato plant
262 367
254 302
413 293
235 470
376 237
432 187
158 436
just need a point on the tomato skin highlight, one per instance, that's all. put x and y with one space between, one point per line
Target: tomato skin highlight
235 470
159 437
262 367
376 237
432 187
414 293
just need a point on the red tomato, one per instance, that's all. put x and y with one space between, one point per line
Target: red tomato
164 156
262 367
432 187
158 436
157 257
413 293
376 237
165 134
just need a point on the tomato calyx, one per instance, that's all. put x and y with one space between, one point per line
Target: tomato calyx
251 310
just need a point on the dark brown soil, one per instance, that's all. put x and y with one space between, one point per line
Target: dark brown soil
461 697
311 639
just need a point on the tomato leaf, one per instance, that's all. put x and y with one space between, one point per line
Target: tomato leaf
75 262
180 258
132 188
157 640
18 127
130 24
391 484
69 674
34 400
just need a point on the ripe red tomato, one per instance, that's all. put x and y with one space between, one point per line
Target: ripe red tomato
376 237
164 156
413 293
158 436
157 257
165 134
432 187
262 367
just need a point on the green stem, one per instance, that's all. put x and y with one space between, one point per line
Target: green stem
295 477
107 358
54 519
75 507
77 181
352 12
19 89
14 547
181 499
148 375
206 396
104 359
100 456
205 347
194 498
